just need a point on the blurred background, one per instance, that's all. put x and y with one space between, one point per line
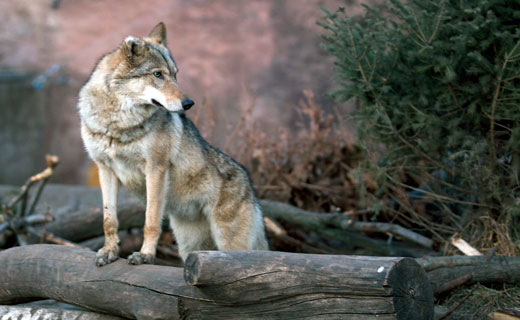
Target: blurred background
236 59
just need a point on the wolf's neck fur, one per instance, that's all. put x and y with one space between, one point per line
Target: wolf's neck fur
105 114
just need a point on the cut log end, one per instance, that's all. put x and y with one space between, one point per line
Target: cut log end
191 270
413 294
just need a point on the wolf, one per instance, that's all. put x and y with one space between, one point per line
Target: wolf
134 127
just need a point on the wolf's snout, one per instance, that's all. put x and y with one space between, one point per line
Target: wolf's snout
188 103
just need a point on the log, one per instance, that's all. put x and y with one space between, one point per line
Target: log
80 219
42 313
85 220
484 270
351 286
317 221
246 285
87 223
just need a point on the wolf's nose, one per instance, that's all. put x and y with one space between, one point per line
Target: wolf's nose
186 104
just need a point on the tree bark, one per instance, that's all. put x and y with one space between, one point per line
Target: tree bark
351 286
495 270
42 313
246 285
87 223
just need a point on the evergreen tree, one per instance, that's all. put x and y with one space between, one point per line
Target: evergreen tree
437 91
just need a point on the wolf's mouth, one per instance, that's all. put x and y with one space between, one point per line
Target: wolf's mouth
157 103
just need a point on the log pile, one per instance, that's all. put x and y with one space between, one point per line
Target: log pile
82 221
222 285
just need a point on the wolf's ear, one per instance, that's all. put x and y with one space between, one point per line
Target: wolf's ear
158 33
133 48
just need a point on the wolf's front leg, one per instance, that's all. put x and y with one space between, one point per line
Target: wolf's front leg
156 188
109 190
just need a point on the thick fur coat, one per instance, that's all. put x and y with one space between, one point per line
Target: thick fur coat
134 128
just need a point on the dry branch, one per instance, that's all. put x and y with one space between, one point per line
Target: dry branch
442 270
246 285
317 221
83 222
87 223
52 162
432 263
455 283
277 234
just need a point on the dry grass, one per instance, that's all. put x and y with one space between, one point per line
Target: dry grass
481 301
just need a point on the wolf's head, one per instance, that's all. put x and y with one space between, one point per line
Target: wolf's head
147 74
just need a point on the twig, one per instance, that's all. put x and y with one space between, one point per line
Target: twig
21 239
38 218
447 287
490 253
38 194
352 213
52 162
458 304
464 247
52 238
280 234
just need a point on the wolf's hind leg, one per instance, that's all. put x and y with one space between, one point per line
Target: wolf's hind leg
235 227
191 235
109 190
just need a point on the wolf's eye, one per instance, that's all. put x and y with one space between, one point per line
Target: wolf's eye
158 75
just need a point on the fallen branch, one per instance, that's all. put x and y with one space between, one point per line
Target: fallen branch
49 237
375 246
276 233
455 283
86 223
455 307
496 270
52 162
432 263
505 314
18 220
318 221
236 284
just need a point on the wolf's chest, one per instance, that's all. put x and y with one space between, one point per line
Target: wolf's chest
127 161
129 170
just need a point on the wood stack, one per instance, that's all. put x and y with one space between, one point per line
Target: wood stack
222 285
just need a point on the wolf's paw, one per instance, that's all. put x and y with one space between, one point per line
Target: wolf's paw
105 256
140 258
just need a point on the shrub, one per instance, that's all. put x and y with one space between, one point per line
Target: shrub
310 167
437 92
